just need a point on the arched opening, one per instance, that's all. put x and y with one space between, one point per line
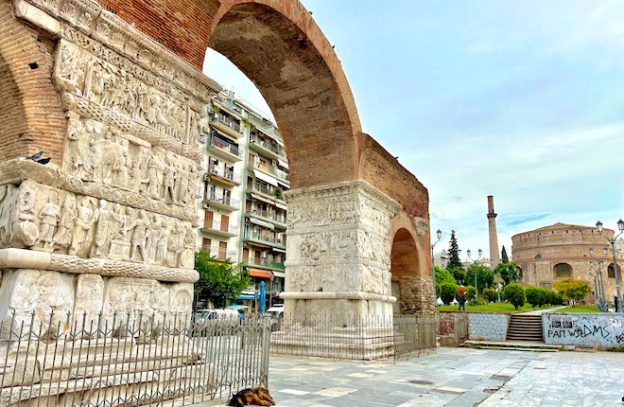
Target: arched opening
403 264
562 270
12 120
611 271
295 69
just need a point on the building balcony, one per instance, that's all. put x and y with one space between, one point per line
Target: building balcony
276 172
265 263
221 254
227 125
223 202
220 175
271 216
269 192
265 241
217 229
223 149
266 148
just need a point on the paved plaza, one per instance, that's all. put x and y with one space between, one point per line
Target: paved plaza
453 377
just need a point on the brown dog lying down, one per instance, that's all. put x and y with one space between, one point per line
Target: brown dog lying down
258 396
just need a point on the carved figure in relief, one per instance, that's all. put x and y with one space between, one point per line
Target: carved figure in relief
169 180
138 239
161 243
186 260
63 236
310 249
84 222
48 220
78 151
70 68
175 245
182 185
25 230
107 225
154 238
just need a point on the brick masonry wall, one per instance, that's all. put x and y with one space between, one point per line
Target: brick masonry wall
416 296
583 329
31 114
491 327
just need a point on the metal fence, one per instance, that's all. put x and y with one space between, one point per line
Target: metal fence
128 360
369 338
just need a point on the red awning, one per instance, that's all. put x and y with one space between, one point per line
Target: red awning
259 273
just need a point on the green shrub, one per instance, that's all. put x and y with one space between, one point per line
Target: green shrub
448 291
535 296
489 294
471 293
514 293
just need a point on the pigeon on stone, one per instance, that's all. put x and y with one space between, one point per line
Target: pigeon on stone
36 156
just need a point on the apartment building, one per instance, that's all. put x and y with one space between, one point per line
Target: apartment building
242 211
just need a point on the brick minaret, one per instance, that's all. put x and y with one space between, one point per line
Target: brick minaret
491 215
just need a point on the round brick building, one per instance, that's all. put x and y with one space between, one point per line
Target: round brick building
561 250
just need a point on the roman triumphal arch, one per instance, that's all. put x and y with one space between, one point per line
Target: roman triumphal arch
111 91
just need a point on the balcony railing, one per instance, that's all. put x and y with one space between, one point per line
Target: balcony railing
272 170
223 199
267 145
267 190
221 172
266 262
224 145
221 253
266 239
216 225
272 215
228 121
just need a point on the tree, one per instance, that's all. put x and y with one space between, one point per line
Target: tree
572 289
443 276
535 296
448 291
508 272
471 293
514 293
454 261
485 276
459 274
489 295
504 257
219 281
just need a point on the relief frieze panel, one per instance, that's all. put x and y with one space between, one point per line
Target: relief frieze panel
43 218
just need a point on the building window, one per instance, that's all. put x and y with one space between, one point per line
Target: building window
206 245
563 270
611 271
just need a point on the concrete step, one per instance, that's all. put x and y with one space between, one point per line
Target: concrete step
526 346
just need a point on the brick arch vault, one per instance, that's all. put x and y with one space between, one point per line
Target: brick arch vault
124 98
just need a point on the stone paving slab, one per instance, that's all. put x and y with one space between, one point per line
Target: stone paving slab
453 377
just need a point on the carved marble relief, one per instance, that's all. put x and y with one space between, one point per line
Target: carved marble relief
47 219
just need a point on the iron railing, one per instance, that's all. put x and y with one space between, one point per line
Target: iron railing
129 360
369 338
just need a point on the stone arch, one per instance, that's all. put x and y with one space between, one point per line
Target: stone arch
562 270
611 271
413 290
31 115
280 48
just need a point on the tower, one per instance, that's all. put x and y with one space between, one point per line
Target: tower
491 215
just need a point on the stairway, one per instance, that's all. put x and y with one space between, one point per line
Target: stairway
525 328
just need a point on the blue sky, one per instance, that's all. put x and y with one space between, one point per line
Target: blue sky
520 99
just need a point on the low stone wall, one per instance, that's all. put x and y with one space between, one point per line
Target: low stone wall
583 329
484 326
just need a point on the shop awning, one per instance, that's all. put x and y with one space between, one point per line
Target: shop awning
283 186
283 163
259 273
275 249
223 135
261 223
279 205
242 297
265 177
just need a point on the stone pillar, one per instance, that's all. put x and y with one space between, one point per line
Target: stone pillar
109 228
491 215
339 251
416 296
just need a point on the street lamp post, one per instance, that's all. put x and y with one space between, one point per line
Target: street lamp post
435 297
618 298
478 260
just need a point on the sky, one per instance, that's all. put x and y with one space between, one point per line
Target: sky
523 100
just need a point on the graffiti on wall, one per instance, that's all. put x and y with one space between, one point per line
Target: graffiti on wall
584 329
